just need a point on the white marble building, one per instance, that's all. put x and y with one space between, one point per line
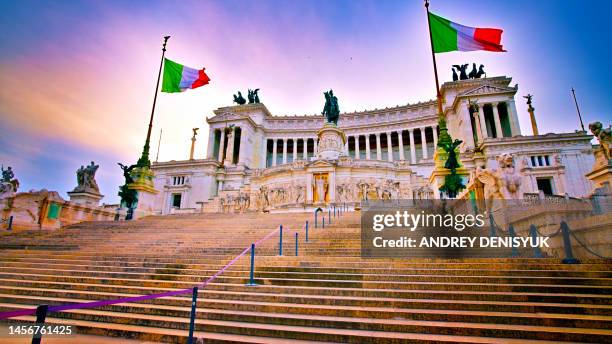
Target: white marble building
258 161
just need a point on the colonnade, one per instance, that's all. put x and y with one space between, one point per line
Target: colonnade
280 146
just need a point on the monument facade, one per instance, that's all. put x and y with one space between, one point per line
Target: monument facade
256 161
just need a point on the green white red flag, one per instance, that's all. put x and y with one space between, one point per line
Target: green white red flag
178 78
450 36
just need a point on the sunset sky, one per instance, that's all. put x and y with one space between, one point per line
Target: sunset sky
77 77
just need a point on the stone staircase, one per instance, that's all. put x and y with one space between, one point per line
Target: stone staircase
327 293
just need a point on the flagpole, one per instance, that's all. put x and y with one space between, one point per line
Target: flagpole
144 159
158 144
433 58
444 137
578 109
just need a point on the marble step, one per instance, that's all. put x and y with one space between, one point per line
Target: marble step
246 299
264 292
314 333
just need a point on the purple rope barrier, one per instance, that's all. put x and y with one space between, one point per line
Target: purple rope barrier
102 303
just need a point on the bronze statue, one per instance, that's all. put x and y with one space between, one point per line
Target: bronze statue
128 196
451 163
452 182
253 96
529 97
8 174
331 110
8 183
480 72
462 71
455 76
239 99
473 72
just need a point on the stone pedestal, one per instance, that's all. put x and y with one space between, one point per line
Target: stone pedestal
88 197
143 184
601 175
331 142
436 179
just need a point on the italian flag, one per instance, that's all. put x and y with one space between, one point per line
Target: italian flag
178 78
450 36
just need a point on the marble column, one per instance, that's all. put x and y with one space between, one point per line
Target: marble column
498 128
378 149
412 147
479 134
243 147
229 153
389 147
211 144
305 148
295 149
401 145
367 146
357 147
221 144
423 142
512 116
315 146
483 123
434 129
285 150
265 152
346 146
274 148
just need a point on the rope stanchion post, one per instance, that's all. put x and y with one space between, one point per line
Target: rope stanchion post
306 230
323 222
252 271
512 233
329 216
194 302
10 223
567 245
41 315
296 244
533 232
280 241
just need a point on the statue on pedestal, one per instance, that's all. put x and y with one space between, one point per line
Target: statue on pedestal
86 179
452 182
331 110
8 184
128 196
86 191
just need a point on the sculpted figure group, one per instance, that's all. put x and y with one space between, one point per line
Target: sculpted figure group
364 190
235 203
8 184
86 178
475 73
501 183
252 95
277 195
